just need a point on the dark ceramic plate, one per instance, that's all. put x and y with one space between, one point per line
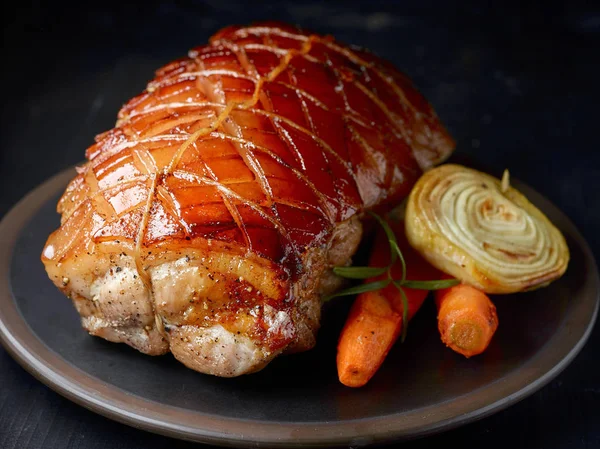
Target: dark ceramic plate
422 388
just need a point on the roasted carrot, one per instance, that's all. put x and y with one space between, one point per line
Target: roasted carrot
467 319
375 319
371 329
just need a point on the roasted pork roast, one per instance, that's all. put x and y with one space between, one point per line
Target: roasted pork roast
208 220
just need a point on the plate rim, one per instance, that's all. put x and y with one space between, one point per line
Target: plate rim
116 404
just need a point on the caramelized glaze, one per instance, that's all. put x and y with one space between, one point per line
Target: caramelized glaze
265 138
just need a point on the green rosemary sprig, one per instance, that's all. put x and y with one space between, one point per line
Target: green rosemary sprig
359 272
400 284
361 288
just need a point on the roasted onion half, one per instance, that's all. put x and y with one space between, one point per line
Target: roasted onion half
482 231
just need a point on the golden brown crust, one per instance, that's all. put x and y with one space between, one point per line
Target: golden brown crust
264 139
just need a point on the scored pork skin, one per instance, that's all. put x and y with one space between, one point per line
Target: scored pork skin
206 223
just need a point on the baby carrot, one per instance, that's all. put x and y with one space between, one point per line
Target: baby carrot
371 329
375 319
467 319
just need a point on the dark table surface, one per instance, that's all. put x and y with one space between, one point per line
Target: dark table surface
518 86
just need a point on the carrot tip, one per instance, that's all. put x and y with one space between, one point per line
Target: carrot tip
467 336
353 376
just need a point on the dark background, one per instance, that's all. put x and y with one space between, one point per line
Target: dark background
517 84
